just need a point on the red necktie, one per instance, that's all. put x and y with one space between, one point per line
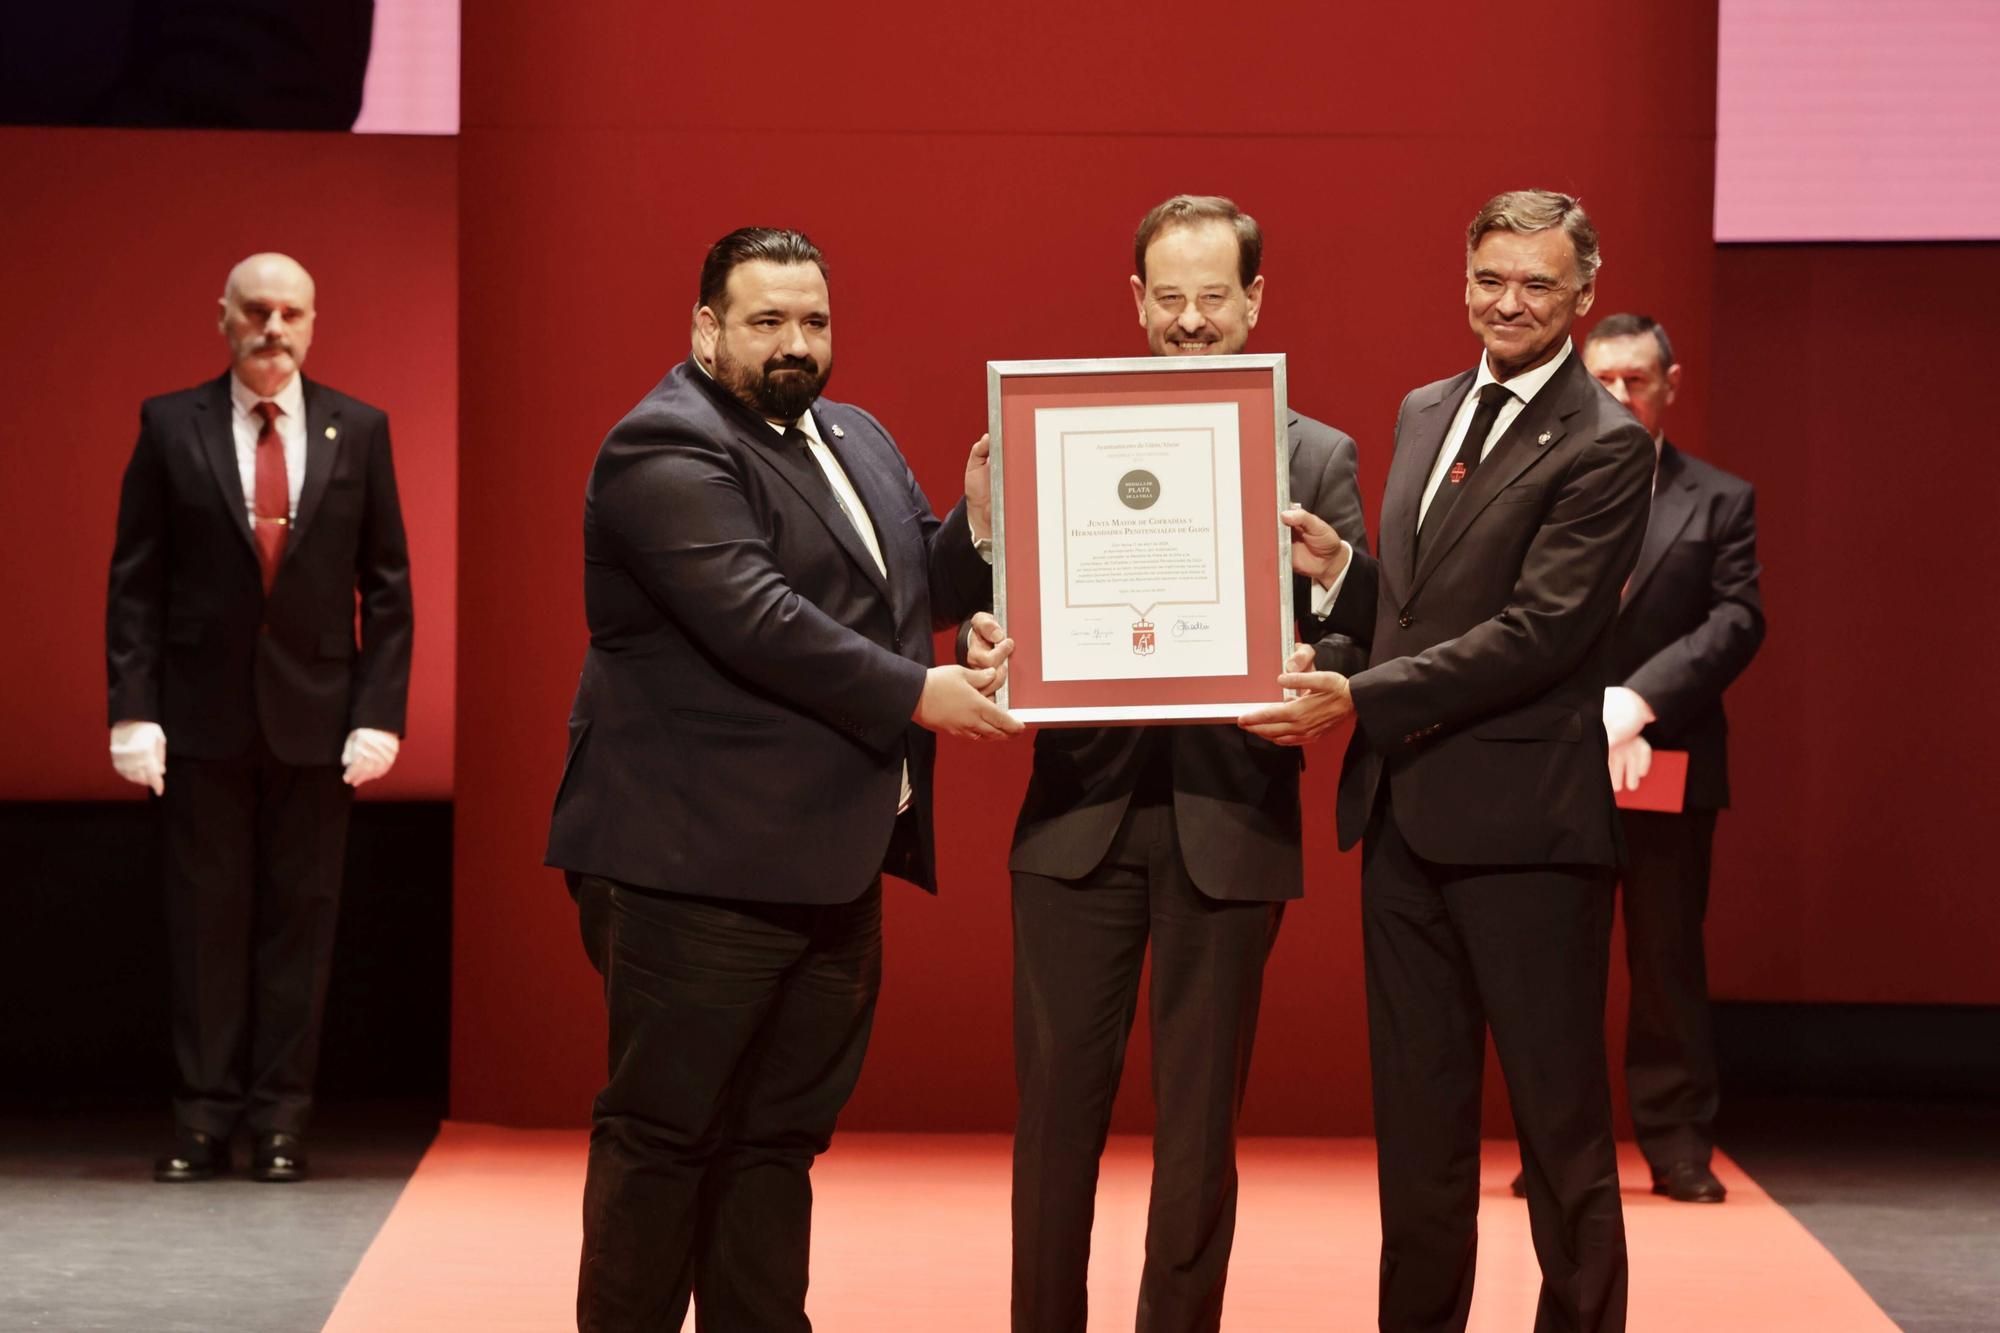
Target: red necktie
274 493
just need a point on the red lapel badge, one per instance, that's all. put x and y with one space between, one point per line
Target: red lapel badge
1457 473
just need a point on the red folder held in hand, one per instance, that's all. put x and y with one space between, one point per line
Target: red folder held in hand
1663 789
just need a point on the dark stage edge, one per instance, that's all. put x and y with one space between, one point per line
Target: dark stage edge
90 1244
1906 1194
83 964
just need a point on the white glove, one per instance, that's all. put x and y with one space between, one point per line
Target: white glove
1625 714
1630 762
367 755
139 753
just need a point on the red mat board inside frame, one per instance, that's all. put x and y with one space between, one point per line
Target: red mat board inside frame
1182 613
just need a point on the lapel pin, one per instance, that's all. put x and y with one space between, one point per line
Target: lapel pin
839 434
332 433
1544 439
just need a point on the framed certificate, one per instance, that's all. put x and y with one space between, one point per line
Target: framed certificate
1138 561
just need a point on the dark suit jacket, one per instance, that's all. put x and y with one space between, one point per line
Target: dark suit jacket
743 717
1236 796
1692 616
192 641
1483 702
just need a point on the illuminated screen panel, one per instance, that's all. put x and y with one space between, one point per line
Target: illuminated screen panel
412 83
1856 120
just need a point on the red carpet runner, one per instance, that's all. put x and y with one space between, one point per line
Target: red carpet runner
910 1236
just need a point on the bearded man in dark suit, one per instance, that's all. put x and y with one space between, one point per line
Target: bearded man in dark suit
1182 837
750 752
1514 511
255 509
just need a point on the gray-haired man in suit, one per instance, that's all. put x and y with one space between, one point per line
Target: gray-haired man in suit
1514 512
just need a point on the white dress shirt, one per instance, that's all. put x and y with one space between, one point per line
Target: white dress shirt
1522 388
843 489
857 514
245 425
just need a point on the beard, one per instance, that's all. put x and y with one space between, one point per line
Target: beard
781 389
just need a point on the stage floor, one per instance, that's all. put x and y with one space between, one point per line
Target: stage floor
911 1236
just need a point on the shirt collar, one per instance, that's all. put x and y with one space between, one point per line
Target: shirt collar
1529 382
290 399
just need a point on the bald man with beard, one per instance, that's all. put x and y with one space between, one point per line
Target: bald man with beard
255 509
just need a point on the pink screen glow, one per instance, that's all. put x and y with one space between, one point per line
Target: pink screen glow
412 85
1855 120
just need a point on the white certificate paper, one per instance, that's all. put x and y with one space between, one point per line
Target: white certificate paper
1141 541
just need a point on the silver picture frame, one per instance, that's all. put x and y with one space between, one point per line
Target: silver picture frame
999 374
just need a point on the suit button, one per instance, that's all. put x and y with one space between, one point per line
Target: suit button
1404 620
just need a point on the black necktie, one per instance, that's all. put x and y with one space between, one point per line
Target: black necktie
804 442
1491 399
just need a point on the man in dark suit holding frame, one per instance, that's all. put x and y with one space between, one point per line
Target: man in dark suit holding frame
750 752
1514 511
1182 840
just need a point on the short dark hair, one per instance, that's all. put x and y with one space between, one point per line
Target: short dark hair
1188 210
779 245
1631 326
1526 211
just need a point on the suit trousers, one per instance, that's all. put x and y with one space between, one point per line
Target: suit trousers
254 852
1079 946
1669 1035
737 1033
1451 950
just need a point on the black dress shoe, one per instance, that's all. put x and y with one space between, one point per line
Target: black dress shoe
196 1156
1519 1186
1689 1182
279 1157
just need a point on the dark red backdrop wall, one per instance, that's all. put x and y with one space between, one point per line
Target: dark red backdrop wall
115 247
1854 384
976 187
975 178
